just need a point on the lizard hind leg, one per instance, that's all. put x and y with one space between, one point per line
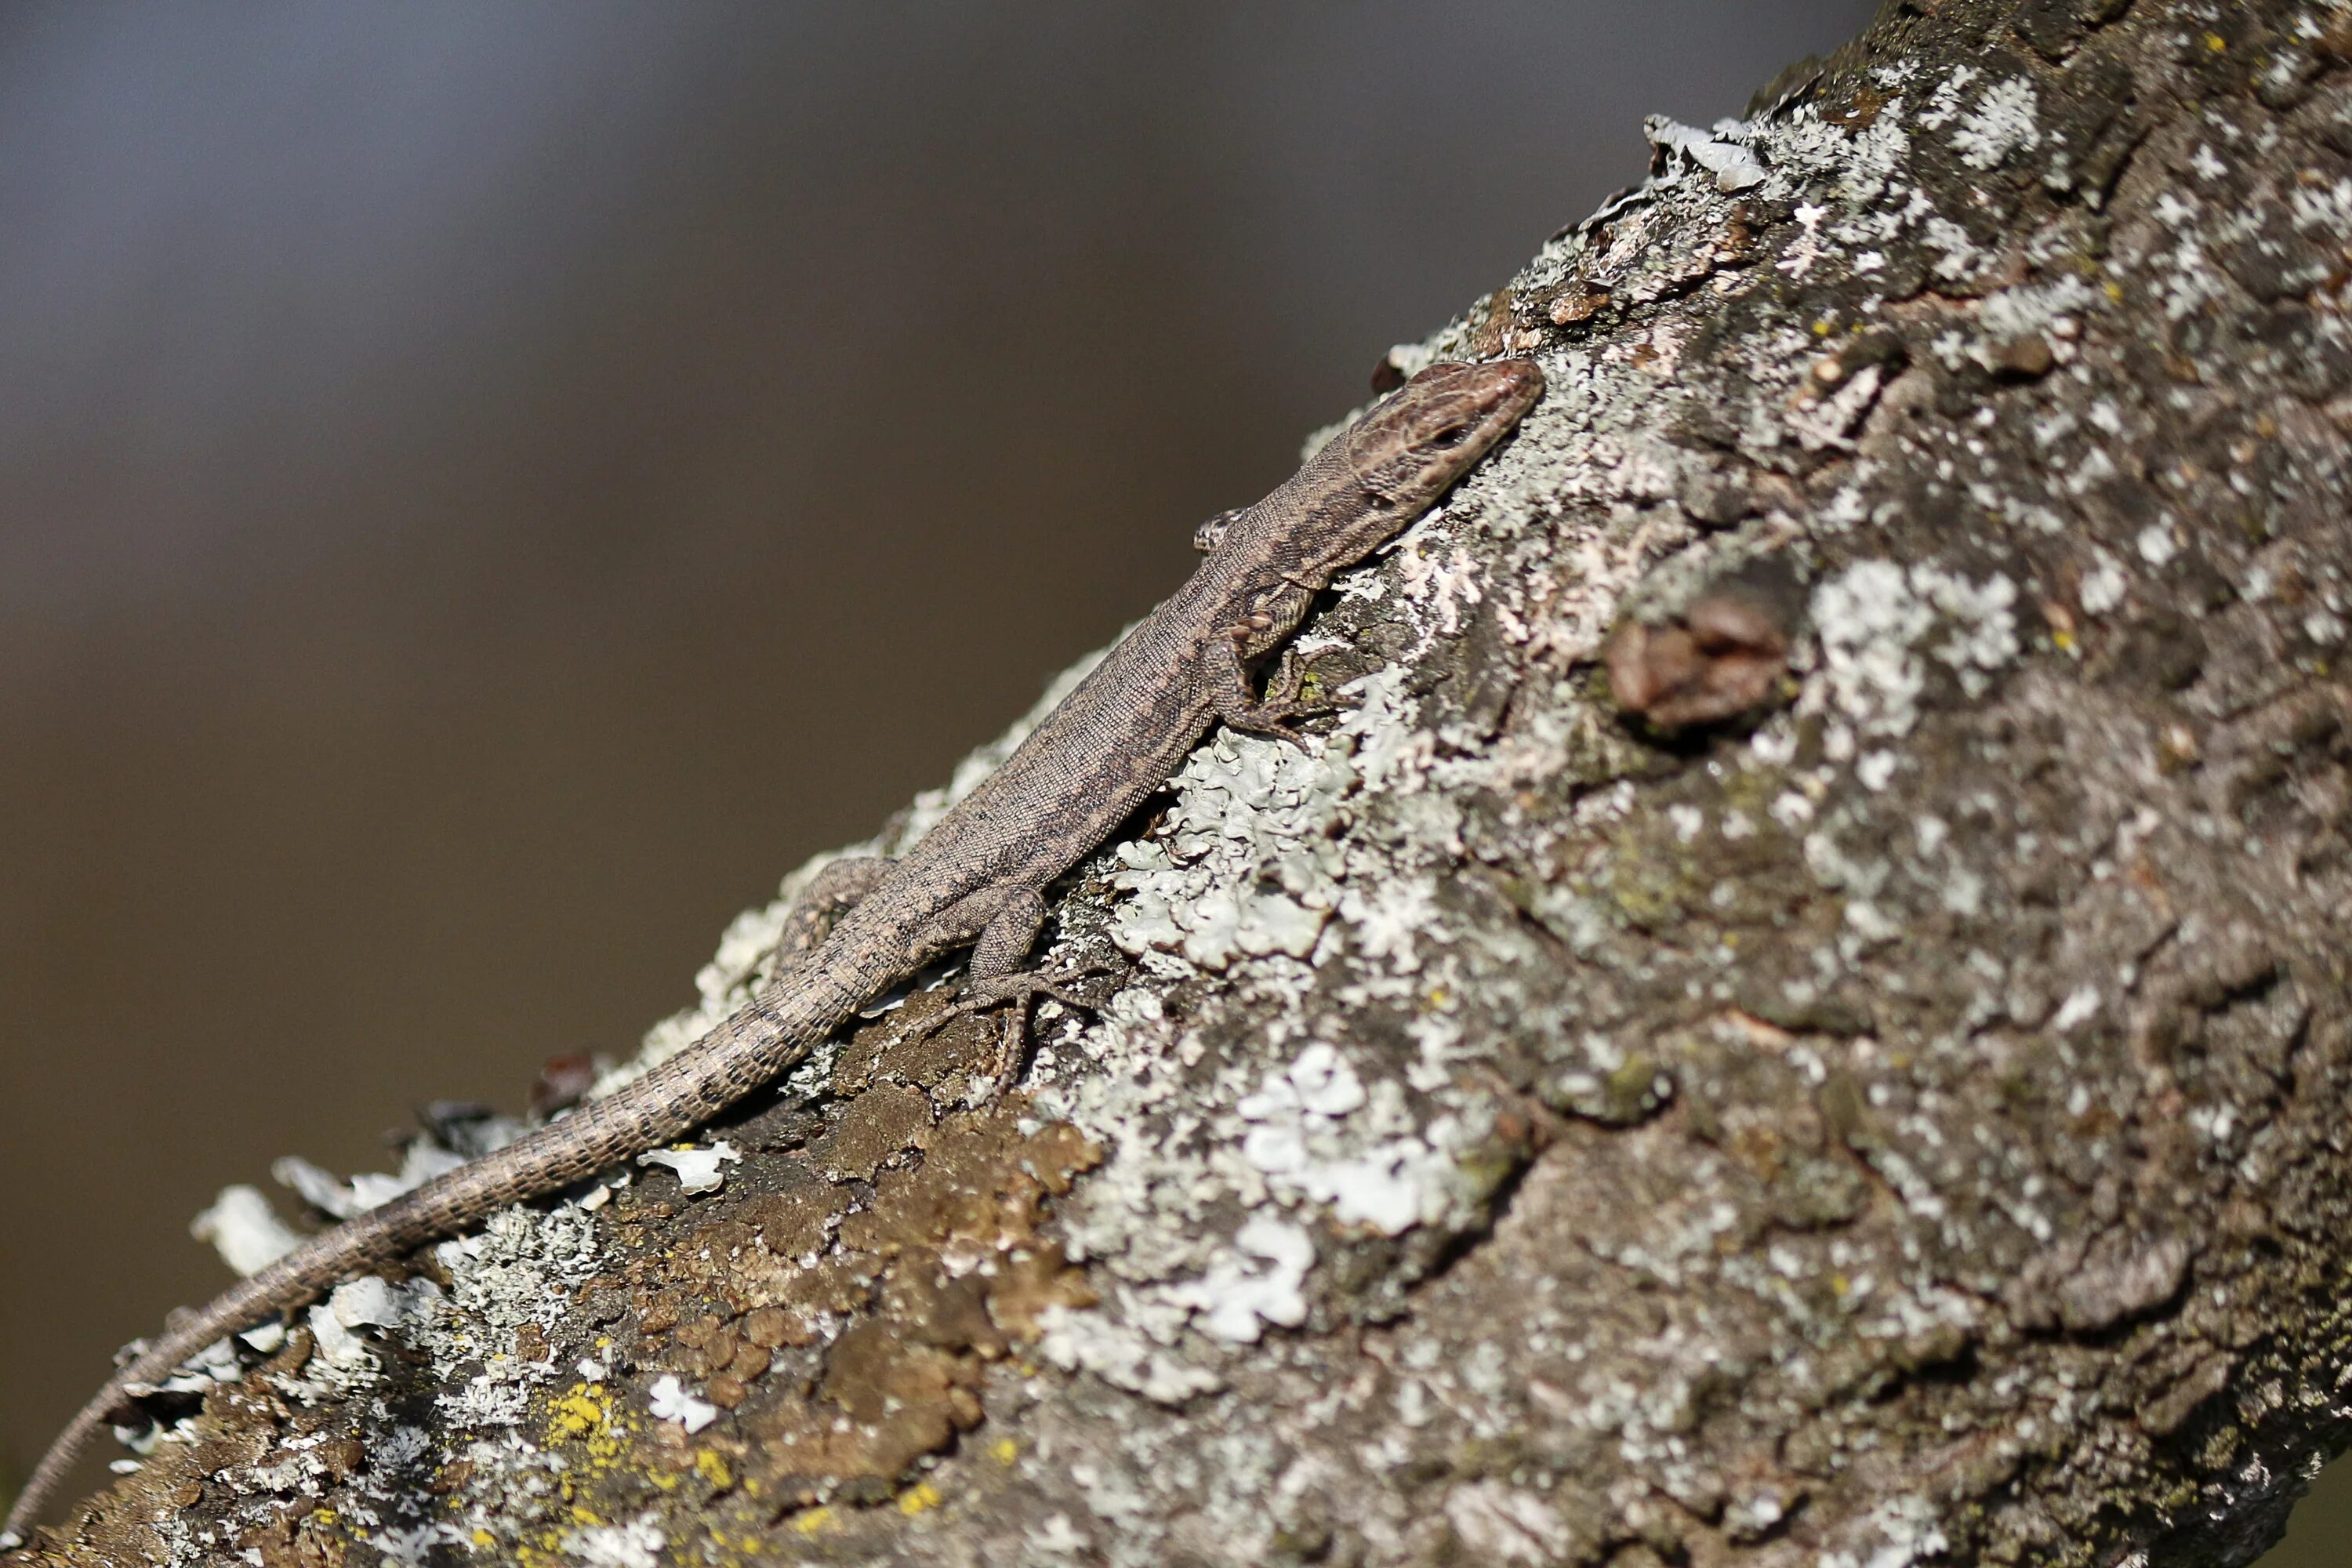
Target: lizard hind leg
838 886
995 979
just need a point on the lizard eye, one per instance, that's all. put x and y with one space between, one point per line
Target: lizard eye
1452 436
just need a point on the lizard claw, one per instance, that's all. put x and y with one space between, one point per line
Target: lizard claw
1019 990
1268 721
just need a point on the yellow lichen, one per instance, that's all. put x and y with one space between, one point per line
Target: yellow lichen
579 1412
918 1499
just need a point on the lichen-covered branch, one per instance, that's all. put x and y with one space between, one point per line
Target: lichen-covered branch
1795 1010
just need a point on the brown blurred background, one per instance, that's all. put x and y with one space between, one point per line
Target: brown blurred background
484 491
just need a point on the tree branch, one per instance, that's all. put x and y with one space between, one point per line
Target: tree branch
1796 1011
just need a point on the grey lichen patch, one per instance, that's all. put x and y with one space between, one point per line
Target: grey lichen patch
334 1438
1890 1113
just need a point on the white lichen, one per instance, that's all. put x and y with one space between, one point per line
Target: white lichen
1874 617
2104 585
669 1401
423 1161
697 1168
1722 152
2002 122
1254 1283
243 1229
1305 1136
636 1544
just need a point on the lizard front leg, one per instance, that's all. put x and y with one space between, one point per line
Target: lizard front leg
1229 686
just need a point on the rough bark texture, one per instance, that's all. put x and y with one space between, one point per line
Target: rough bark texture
1797 1013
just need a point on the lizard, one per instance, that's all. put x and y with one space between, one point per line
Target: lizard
976 879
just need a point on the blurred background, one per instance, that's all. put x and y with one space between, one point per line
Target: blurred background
485 490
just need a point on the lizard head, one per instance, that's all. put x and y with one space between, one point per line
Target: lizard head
1384 471
1431 430
1429 433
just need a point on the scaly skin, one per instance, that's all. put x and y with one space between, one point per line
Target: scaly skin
977 878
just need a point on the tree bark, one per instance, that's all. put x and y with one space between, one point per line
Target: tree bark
1795 1012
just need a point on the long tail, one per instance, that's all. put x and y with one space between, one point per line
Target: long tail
749 1049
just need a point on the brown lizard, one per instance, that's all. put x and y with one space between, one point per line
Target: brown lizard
978 878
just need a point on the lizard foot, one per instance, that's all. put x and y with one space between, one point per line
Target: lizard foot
1019 991
1270 715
